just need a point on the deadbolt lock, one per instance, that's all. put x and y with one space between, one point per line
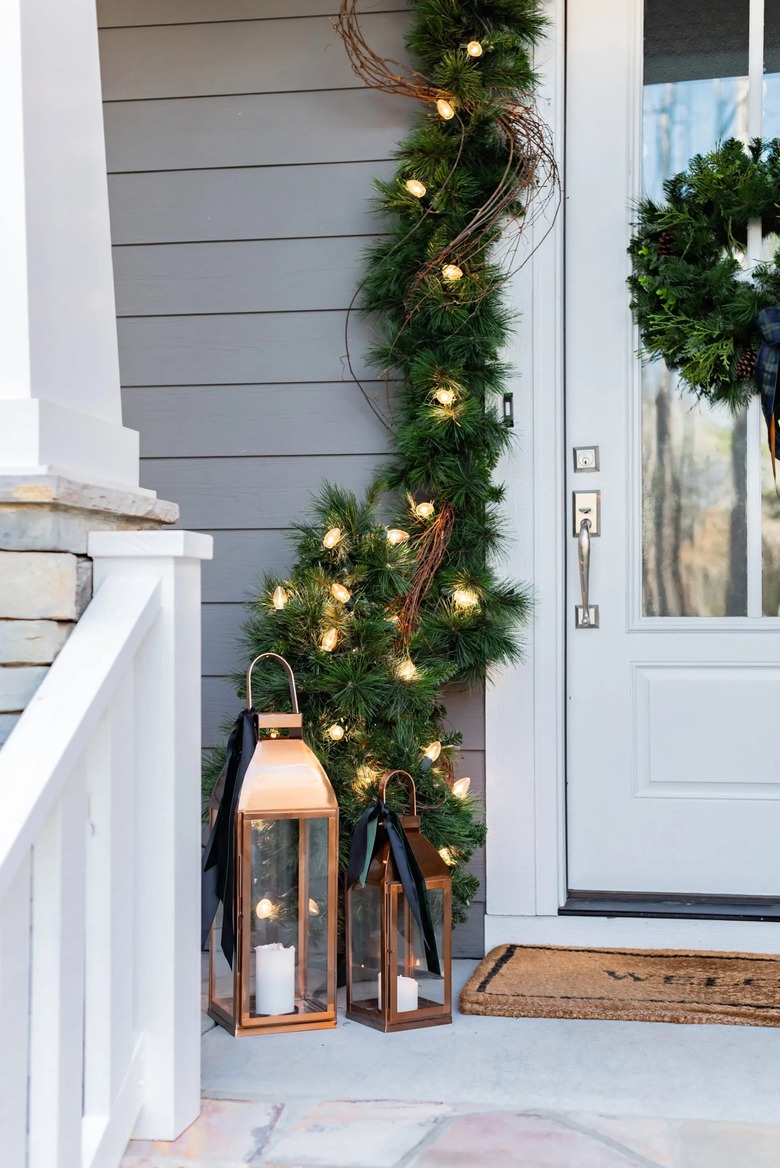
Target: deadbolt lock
586 458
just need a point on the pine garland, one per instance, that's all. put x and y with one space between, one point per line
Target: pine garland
695 305
417 602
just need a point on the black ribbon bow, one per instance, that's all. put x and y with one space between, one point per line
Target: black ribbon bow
218 881
767 367
412 881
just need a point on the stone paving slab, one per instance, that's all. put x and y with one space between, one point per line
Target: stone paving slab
495 1141
226 1135
726 1145
359 1135
652 1139
392 1134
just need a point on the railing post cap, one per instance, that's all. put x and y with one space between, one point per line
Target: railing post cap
191 545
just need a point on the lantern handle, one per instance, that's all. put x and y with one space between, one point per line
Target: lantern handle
388 775
290 678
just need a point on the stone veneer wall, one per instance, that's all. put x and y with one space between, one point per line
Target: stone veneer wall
45 573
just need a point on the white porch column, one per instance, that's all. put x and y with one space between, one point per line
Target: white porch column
60 409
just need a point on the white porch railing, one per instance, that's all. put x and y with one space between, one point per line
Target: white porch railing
99 871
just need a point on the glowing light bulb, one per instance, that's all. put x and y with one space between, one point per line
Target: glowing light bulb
395 535
451 272
448 857
336 732
461 787
445 397
364 776
445 110
424 510
474 49
329 640
407 669
265 909
415 187
280 598
332 537
314 908
339 592
465 598
433 751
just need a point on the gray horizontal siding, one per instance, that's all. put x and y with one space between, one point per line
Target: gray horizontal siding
230 277
256 202
466 713
185 421
245 56
266 348
242 153
255 130
127 13
240 558
251 492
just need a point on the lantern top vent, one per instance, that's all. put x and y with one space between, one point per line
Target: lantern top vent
283 773
382 868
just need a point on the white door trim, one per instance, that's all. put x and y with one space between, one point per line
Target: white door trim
524 732
634 933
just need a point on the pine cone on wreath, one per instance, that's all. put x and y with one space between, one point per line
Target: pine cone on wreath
665 241
746 366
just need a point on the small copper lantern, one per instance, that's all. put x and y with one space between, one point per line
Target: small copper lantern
286 887
390 984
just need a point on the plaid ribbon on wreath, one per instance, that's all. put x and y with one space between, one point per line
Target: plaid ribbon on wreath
767 369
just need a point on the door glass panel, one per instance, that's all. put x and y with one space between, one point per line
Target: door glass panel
771 111
694 473
770 503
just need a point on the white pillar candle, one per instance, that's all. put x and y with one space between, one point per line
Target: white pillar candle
406 993
274 979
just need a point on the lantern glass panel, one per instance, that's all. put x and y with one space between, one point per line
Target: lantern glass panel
429 989
366 945
221 974
288 966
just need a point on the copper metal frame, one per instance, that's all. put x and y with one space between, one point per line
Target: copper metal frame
241 1022
390 1020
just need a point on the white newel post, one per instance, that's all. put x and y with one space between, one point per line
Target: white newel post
168 821
60 408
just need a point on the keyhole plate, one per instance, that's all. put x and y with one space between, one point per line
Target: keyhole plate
586 458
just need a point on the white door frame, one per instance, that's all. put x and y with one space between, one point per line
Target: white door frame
525 704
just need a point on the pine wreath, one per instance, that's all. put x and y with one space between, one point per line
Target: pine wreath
697 306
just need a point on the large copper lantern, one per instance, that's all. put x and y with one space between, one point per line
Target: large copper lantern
285 836
399 945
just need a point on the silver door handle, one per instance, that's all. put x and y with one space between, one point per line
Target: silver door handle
587 524
583 558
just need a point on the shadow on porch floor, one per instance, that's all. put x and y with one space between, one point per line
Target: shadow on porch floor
514 1093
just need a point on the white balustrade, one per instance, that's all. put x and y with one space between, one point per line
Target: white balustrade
99 870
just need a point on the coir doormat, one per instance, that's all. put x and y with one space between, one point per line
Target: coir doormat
632 985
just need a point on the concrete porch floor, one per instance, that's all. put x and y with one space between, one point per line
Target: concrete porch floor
515 1093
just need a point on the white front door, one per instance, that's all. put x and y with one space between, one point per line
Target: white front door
674 699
